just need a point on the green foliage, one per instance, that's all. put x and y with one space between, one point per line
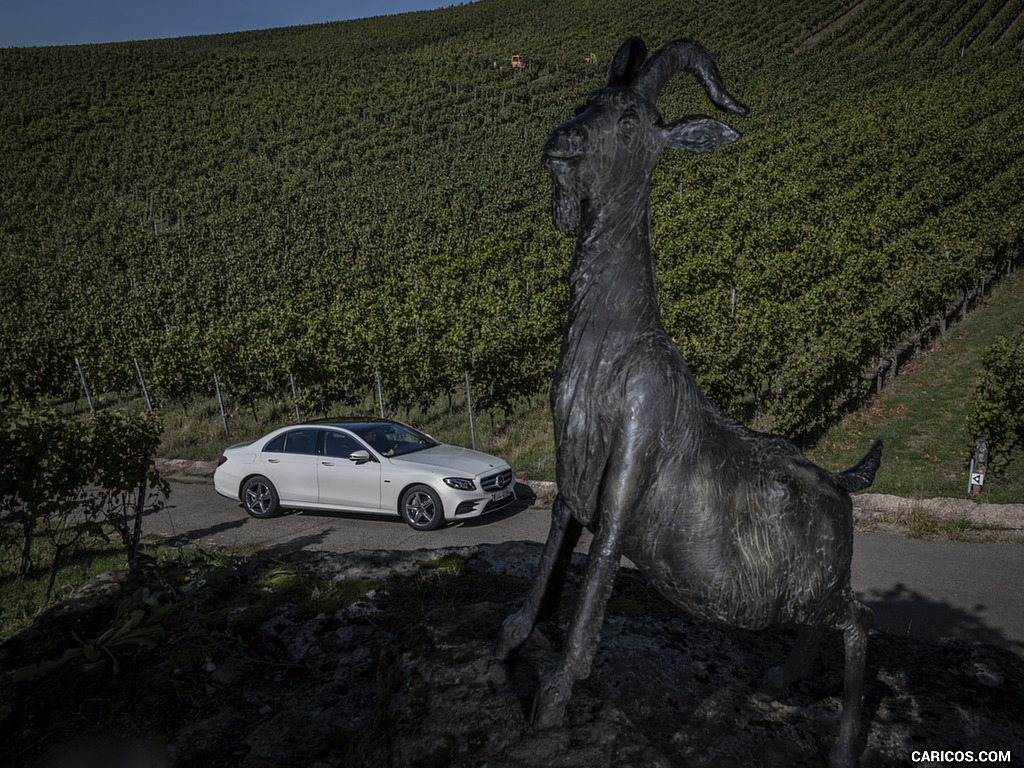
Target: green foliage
137 621
299 202
996 410
65 479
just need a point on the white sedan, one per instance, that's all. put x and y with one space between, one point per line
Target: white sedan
372 465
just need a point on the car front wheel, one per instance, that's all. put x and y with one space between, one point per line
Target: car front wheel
259 497
421 508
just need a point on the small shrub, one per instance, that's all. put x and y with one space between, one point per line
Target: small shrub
997 407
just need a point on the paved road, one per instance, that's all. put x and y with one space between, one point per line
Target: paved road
920 588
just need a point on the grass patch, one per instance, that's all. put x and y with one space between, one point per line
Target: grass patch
23 598
923 525
265 591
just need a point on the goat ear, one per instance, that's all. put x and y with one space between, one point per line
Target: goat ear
627 61
697 133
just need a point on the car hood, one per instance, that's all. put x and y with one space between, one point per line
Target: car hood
452 458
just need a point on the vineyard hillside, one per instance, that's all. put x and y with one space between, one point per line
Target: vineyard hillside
336 202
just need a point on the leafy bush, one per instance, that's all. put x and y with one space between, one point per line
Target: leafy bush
64 479
997 408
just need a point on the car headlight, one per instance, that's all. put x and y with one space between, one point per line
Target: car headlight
460 483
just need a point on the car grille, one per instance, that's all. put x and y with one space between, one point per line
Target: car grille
497 482
483 506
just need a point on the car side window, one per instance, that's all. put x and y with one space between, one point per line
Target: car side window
339 445
276 445
301 441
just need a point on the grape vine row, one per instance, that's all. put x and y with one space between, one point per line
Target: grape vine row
300 201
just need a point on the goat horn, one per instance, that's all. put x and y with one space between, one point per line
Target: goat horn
684 55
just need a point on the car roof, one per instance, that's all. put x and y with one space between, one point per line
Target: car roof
356 425
345 422
353 423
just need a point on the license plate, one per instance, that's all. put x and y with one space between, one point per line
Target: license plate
502 495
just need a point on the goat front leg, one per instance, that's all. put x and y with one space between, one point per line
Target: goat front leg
855 641
585 628
546 589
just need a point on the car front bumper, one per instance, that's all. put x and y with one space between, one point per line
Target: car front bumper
485 504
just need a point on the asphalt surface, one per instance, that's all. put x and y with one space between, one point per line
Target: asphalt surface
920 588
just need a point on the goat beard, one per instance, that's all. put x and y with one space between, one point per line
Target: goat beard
565 202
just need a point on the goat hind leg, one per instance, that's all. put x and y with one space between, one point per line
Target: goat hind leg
546 588
855 641
800 662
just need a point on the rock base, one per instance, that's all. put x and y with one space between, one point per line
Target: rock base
341 690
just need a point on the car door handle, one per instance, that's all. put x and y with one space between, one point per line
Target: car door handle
327 463
273 461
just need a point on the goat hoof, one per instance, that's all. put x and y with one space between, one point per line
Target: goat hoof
773 684
841 756
548 705
499 673
545 715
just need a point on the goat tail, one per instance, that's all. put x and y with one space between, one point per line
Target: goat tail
860 476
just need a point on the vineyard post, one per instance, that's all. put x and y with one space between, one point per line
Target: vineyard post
85 386
142 381
979 466
469 402
295 397
220 401
139 505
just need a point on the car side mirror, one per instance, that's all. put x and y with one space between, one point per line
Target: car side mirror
359 457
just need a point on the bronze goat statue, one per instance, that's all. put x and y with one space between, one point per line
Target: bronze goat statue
732 525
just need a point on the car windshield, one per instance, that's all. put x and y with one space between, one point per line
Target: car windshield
394 439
